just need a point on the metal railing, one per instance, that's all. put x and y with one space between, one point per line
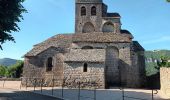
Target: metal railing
39 85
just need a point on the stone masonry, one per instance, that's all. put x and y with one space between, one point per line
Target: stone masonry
99 54
165 80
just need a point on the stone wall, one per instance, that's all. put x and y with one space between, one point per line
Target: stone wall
138 71
35 67
94 77
125 65
98 20
129 66
165 80
112 63
82 20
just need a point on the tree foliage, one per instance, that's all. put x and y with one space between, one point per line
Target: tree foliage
164 62
157 54
151 68
14 71
10 14
161 56
3 70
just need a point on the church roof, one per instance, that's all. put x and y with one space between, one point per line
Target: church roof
91 55
125 31
89 1
137 46
65 40
113 15
102 37
61 40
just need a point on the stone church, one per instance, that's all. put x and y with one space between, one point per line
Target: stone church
99 53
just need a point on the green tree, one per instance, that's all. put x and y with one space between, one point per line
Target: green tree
164 62
2 70
15 71
10 14
151 68
168 0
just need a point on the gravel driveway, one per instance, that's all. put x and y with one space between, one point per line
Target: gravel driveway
9 94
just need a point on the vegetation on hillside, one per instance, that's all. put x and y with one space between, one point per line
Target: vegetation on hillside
157 54
162 57
151 69
3 70
164 63
7 61
13 71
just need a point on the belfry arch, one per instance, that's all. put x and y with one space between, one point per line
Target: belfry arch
108 27
88 28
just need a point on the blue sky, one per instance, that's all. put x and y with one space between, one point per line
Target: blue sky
147 20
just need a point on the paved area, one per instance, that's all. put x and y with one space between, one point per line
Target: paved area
100 94
9 94
72 94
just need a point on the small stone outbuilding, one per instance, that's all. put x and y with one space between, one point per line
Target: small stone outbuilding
99 53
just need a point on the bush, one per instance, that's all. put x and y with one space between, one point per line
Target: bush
14 71
3 70
164 62
151 68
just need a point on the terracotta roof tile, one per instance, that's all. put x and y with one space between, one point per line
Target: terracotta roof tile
61 40
113 15
102 37
137 46
91 55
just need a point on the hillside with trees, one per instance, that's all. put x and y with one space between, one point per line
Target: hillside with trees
7 62
156 54
13 71
153 59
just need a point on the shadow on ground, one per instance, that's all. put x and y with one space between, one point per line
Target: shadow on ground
9 94
109 94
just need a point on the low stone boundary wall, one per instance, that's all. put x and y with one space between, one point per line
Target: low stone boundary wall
12 84
165 80
10 79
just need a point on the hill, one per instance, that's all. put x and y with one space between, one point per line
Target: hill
152 57
156 54
7 61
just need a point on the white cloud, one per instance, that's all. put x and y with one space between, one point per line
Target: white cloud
158 40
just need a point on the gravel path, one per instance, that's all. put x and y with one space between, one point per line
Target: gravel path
72 94
9 94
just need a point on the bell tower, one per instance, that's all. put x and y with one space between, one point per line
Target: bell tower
89 15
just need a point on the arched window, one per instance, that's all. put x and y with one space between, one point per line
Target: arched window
93 11
87 47
49 64
88 28
108 27
83 11
85 67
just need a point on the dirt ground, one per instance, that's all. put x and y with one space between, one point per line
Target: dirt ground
99 94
